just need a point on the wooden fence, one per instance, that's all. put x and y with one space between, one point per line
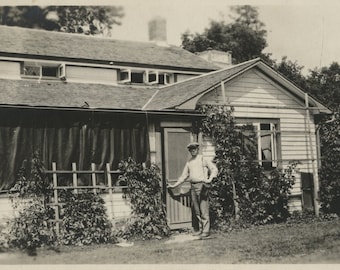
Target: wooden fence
102 182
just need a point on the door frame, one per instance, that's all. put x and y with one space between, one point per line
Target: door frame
167 127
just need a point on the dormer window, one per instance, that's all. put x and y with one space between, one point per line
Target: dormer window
152 77
148 77
43 71
163 78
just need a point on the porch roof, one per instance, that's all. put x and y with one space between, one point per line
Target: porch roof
72 95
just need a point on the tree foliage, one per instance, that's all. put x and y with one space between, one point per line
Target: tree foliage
245 37
88 20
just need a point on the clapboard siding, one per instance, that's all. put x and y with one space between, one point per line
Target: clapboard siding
6 209
117 208
91 74
9 70
260 98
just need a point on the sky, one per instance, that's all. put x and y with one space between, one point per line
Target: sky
305 31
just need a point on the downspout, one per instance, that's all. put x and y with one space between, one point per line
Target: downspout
315 183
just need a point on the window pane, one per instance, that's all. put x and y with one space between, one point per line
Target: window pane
137 77
49 71
152 77
163 79
124 75
32 71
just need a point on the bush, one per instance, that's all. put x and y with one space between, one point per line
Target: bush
84 220
30 228
329 172
148 218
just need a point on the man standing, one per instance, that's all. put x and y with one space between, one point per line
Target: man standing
200 173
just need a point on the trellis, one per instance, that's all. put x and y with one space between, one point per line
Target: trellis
96 188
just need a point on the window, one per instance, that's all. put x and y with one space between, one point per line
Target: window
149 77
266 142
152 77
163 78
125 75
43 71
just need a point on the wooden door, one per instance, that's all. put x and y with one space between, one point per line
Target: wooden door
175 157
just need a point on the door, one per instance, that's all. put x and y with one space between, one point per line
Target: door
175 157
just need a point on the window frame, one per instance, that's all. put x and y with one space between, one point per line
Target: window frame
274 138
146 76
166 78
60 70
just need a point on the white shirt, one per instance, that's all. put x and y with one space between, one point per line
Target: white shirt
197 169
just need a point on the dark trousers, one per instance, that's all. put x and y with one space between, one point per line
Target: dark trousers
200 207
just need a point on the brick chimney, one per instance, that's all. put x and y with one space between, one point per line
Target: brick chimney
157 31
219 58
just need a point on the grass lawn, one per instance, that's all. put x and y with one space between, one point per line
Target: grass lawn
280 244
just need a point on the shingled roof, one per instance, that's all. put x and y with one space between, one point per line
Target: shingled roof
72 95
24 41
172 96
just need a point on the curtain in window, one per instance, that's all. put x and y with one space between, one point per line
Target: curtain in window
66 137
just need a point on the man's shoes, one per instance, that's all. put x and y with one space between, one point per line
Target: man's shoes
204 235
197 233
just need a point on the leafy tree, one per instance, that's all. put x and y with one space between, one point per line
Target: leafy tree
324 84
88 20
245 37
292 71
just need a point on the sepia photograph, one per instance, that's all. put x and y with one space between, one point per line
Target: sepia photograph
183 133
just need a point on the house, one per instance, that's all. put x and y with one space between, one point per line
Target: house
96 100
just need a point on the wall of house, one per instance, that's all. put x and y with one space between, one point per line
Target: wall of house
6 209
182 77
91 75
9 70
252 90
85 74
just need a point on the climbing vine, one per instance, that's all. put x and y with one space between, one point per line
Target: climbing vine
242 189
148 218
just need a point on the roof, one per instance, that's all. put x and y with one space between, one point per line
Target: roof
57 94
173 96
25 41
72 95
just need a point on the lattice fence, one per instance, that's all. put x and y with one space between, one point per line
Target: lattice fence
102 182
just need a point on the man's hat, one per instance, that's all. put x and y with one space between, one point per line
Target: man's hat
193 145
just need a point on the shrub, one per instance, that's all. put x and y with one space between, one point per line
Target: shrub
148 218
84 220
30 228
329 172
242 188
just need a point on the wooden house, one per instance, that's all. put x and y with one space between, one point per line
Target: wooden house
88 100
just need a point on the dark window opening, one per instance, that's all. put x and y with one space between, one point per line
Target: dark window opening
137 77
50 71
